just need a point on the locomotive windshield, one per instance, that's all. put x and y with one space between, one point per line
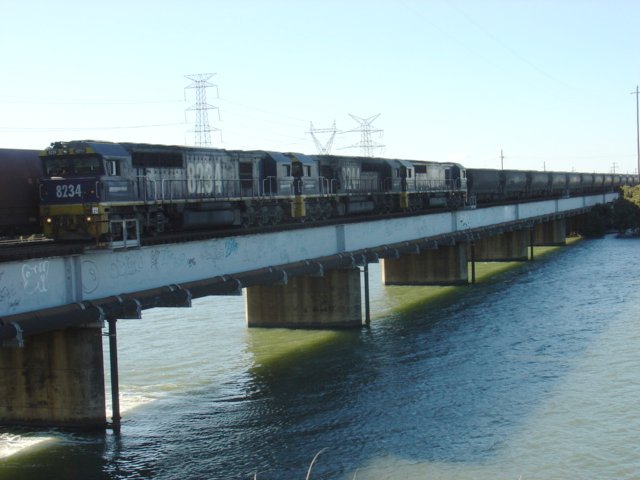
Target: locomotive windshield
61 166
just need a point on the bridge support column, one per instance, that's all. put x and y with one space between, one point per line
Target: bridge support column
445 266
331 301
507 247
550 234
575 225
55 380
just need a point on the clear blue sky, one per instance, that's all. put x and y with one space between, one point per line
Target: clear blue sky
548 82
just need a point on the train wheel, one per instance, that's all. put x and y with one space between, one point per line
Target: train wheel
277 215
262 216
386 205
314 212
327 210
248 217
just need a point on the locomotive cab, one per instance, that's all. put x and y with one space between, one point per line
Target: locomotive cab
80 179
278 174
305 173
458 177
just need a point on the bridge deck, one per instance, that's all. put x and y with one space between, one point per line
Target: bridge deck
55 282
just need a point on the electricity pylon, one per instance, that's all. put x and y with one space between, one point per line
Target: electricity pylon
202 129
323 148
366 144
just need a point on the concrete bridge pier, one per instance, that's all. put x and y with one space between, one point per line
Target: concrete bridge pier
506 247
575 225
445 266
550 234
333 300
55 380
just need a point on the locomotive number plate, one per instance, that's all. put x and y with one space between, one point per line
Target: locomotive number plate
68 190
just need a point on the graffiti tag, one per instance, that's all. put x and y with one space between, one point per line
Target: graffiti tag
126 266
34 277
90 279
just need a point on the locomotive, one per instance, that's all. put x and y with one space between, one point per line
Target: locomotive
117 193
110 191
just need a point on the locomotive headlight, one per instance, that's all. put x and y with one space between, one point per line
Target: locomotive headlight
88 219
49 219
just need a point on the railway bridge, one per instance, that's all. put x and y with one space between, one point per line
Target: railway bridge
53 309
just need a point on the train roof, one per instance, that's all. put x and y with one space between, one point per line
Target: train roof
107 149
16 161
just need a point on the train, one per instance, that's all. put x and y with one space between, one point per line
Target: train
19 192
107 192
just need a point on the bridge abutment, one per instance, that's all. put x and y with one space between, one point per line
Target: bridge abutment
506 247
55 380
445 266
550 234
333 300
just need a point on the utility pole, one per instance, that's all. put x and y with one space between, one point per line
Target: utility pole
501 160
637 94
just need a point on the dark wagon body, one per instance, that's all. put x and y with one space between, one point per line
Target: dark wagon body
21 170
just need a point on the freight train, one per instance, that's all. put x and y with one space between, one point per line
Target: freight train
19 197
112 191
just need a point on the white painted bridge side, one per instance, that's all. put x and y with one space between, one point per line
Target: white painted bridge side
49 282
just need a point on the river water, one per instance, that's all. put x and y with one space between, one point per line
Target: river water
534 374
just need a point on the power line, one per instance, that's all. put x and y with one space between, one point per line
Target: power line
506 46
79 101
223 99
67 129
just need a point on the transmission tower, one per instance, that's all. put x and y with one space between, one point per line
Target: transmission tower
323 149
366 144
202 130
